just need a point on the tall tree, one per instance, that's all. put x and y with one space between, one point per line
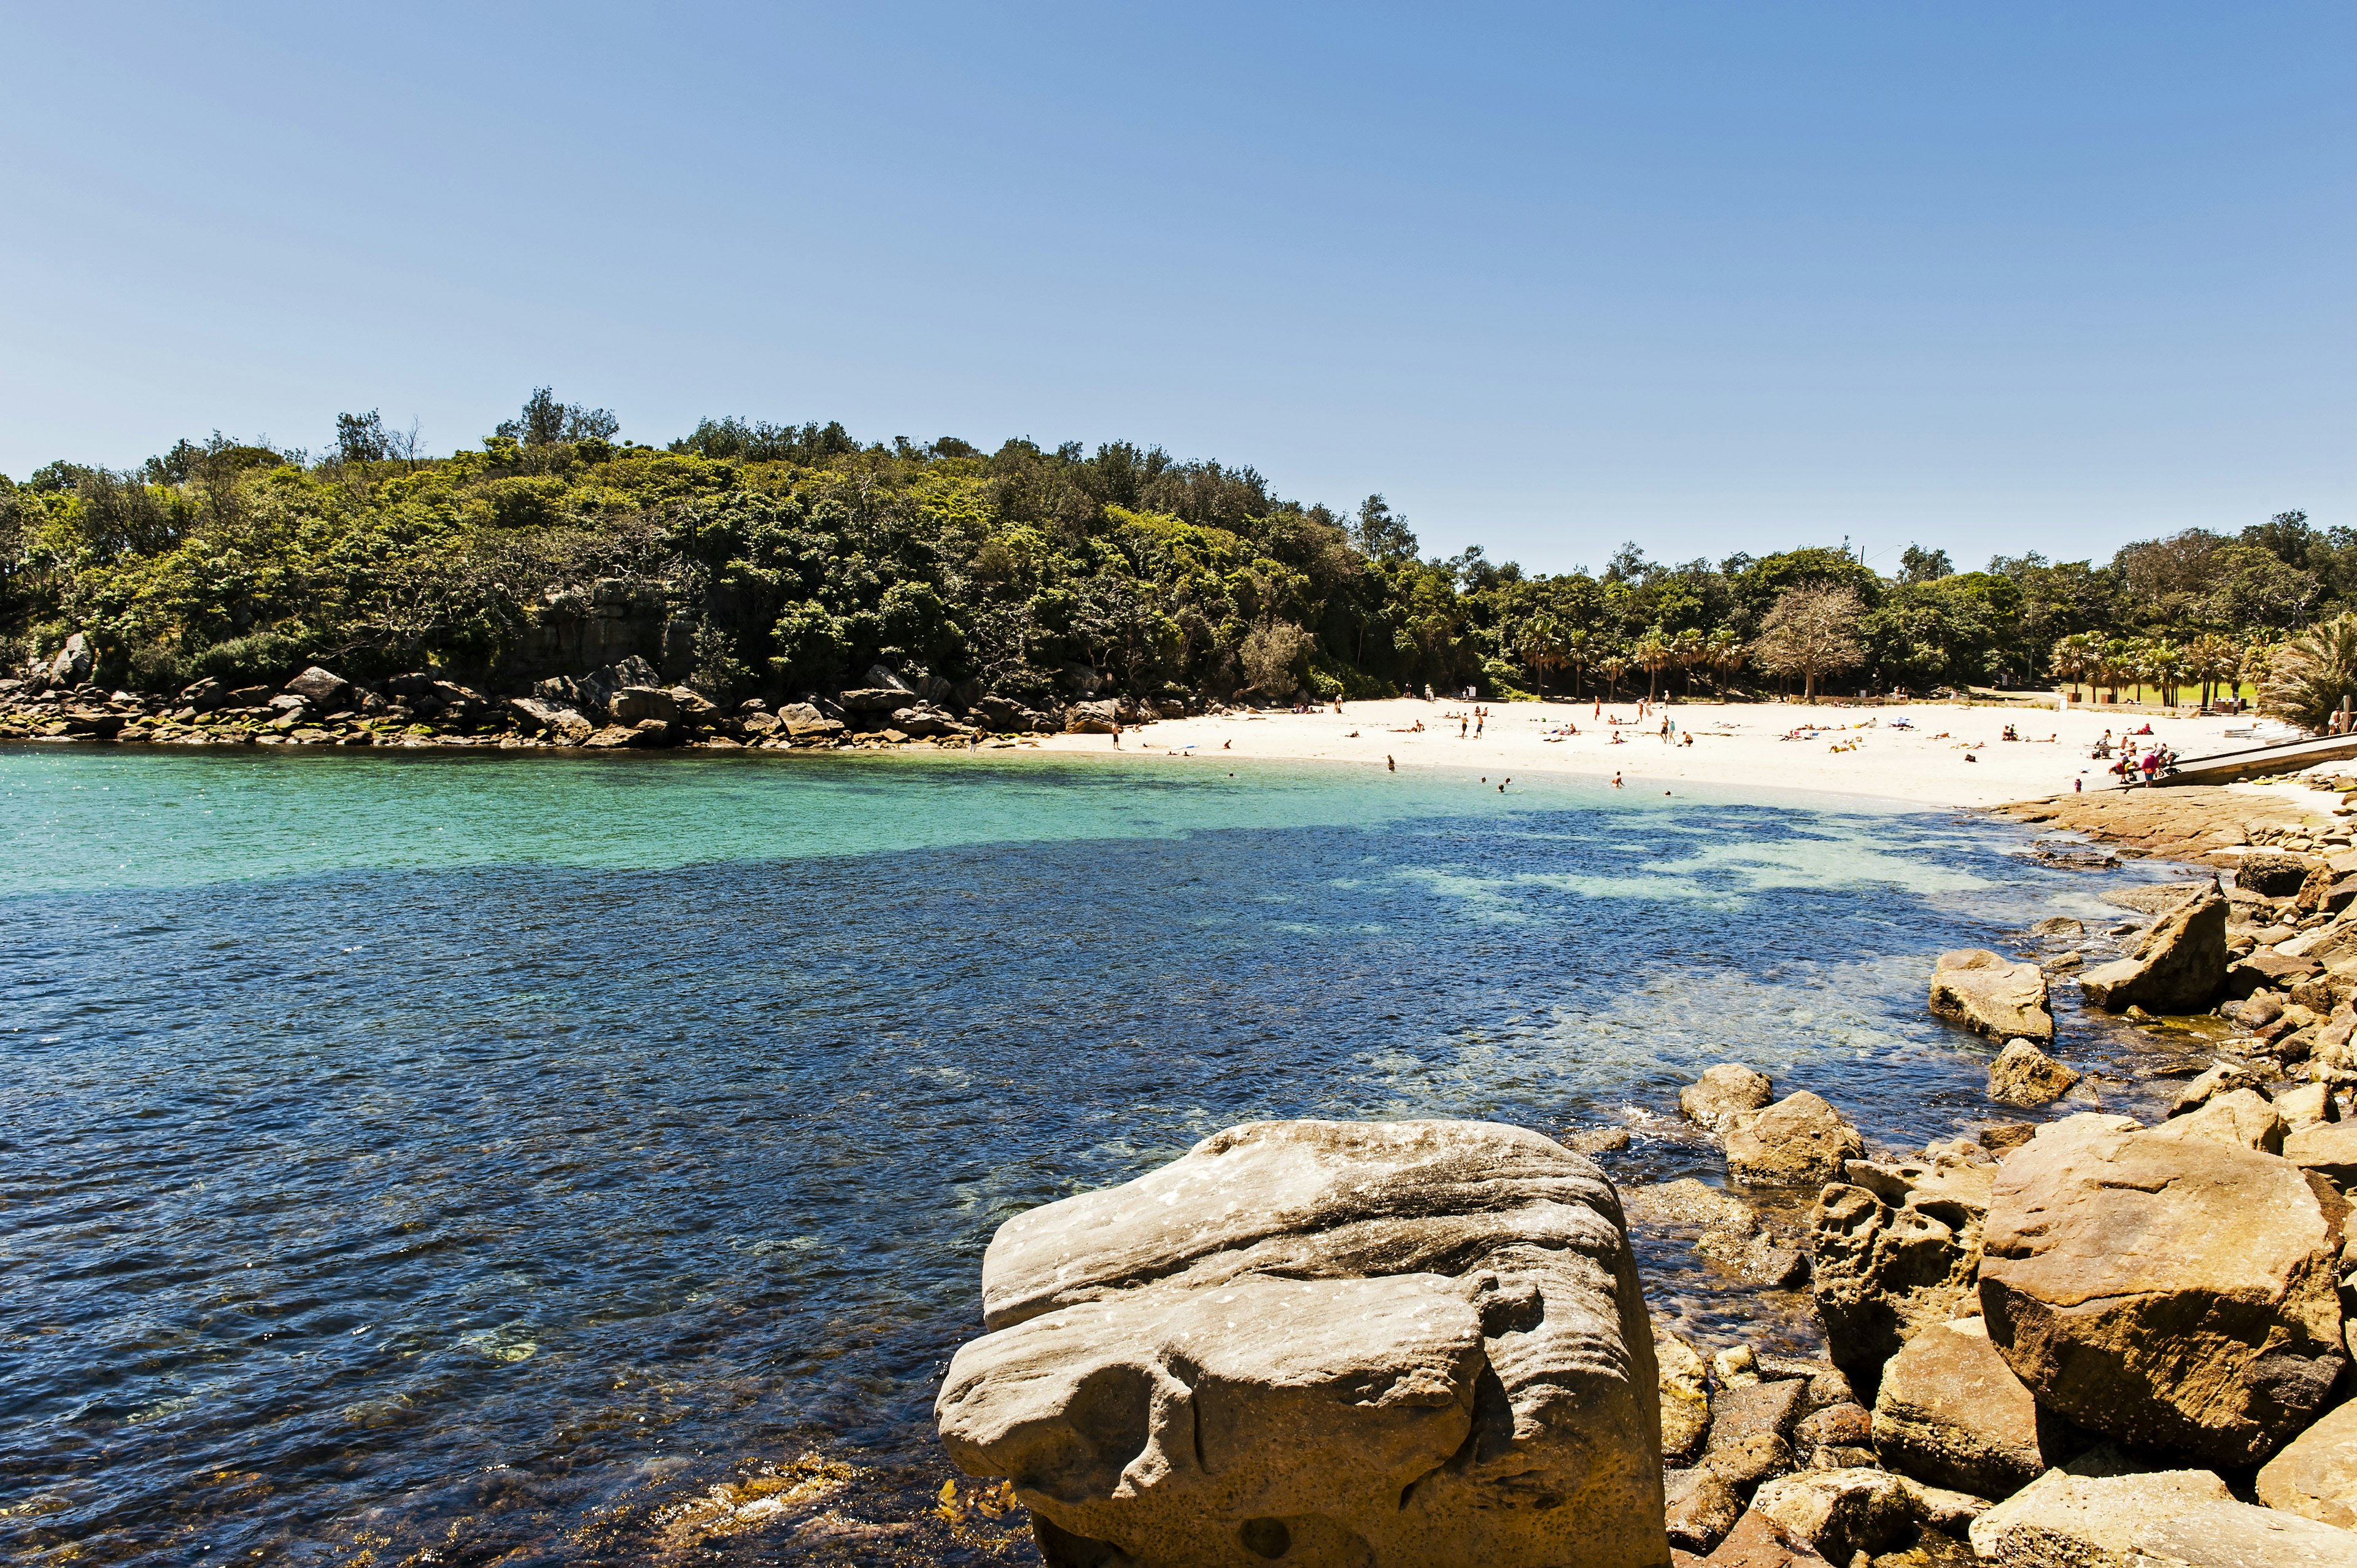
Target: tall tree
1811 632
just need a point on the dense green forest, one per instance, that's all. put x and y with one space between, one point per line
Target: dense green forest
782 559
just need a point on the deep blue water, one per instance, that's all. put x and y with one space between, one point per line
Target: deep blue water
465 1160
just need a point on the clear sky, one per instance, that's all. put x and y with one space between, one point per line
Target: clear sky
1712 278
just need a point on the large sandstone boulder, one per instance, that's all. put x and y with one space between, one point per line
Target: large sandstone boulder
2242 1119
1800 1141
322 691
1405 1343
1993 994
1723 1092
2177 967
1842 1512
2271 874
2328 1148
1894 1252
2165 1291
2024 1075
2316 1474
1952 1413
2089 1522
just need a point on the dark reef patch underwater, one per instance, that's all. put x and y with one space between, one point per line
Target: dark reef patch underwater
452 1159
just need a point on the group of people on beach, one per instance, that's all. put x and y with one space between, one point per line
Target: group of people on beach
2155 760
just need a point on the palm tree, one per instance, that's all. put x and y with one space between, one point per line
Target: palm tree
2164 663
1652 655
2076 657
1725 653
2117 663
2210 659
1576 649
1540 646
2312 675
1612 668
1686 649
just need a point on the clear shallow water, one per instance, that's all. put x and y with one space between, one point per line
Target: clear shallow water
451 1159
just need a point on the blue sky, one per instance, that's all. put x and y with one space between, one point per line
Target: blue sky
1998 277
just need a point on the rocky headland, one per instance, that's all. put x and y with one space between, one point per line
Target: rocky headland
2072 1335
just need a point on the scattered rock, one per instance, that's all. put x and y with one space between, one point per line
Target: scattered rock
2089 1522
2024 1075
2221 1078
2238 1535
1724 1092
634 705
2307 1103
1993 994
1757 1259
2169 1292
1412 1341
2315 1476
1702 1508
2328 1148
2007 1135
1758 1541
321 691
2158 897
1951 1413
2241 1119
1684 1378
2271 875
1843 1425
2062 927
1800 1141
1750 1428
2176 968
1596 1140
1840 1513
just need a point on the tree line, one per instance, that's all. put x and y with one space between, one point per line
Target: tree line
799 556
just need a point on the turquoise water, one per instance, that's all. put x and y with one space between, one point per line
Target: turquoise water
487 1155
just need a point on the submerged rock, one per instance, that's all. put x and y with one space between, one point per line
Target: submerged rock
1992 994
1410 1343
2165 1291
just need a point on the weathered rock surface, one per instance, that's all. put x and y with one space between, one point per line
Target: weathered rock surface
2307 1103
2169 1292
2176 968
2223 1078
2024 1075
321 689
1951 1412
2061 927
2329 1148
1702 1508
1882 1275
1839 1513
2315 1476
1724 1092
2270 875
1750 1430
1993 994
1406 1343
2238 1535
1684 1378
2089 1522
1758 1541
2242 1119
1841 1425
1800 1141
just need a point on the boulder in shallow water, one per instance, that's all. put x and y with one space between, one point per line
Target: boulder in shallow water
1723 1092
2163 1291
2179 966
1800 1141
2024 1075
1404 1343
1991 993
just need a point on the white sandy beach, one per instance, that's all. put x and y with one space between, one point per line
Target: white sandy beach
1855 750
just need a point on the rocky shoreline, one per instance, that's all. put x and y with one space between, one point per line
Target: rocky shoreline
2083 1340
625 705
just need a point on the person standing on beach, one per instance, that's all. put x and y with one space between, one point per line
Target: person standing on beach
1480 717
1389 765
1116 735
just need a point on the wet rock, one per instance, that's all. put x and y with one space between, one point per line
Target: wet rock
2024 1075
1951 1413
1406 1342
1750 1431
1596 1140
1688 1201
2316 1475
2176 968
2328 1148
2271 875
2169 1292
1723 1092
1882 1275
2242 1119
1800 1141
1758 1259
1992 994
1702 1508
2090 1520
2061 927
